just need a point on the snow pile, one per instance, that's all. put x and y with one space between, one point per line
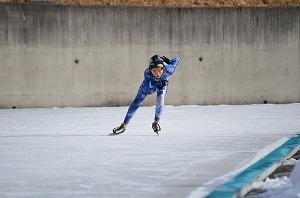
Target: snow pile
269 184
281 187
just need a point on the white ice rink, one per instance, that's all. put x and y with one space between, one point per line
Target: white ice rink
67 153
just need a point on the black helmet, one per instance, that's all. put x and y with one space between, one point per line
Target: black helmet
156 62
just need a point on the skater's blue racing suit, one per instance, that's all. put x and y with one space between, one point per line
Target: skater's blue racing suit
149 85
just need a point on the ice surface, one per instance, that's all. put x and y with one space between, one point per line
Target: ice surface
67 153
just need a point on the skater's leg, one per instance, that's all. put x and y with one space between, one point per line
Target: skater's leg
160 102
138 101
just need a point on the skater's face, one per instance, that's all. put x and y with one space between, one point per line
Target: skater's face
157 72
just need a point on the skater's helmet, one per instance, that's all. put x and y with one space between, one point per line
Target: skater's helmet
156 62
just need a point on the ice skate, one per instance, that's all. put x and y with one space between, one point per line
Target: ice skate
119 129
156 127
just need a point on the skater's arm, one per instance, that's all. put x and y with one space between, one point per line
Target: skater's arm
147 77
172 65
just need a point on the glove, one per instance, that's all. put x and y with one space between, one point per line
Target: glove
166 60
162 84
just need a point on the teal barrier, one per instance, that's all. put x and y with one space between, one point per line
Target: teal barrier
234 187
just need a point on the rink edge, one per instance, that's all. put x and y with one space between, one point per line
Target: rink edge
241 184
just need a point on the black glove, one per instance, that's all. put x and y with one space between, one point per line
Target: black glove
166 60
162 84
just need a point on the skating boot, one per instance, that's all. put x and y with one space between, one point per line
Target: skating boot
156 127
120 129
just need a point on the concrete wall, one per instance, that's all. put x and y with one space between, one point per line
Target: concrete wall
95 56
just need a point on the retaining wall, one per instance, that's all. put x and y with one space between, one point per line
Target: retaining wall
95 56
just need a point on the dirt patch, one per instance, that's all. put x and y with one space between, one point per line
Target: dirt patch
185 3
176 3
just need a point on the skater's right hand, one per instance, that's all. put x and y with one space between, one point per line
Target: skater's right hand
162 84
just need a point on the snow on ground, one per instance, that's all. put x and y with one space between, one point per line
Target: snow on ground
281 187
65 152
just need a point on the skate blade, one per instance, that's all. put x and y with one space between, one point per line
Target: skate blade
113 134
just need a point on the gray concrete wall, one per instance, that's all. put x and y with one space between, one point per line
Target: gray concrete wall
250 55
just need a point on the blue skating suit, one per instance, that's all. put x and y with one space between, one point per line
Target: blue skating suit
149 85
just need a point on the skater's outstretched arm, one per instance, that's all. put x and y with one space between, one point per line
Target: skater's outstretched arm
172 65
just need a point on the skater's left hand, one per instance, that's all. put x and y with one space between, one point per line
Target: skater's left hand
166 60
